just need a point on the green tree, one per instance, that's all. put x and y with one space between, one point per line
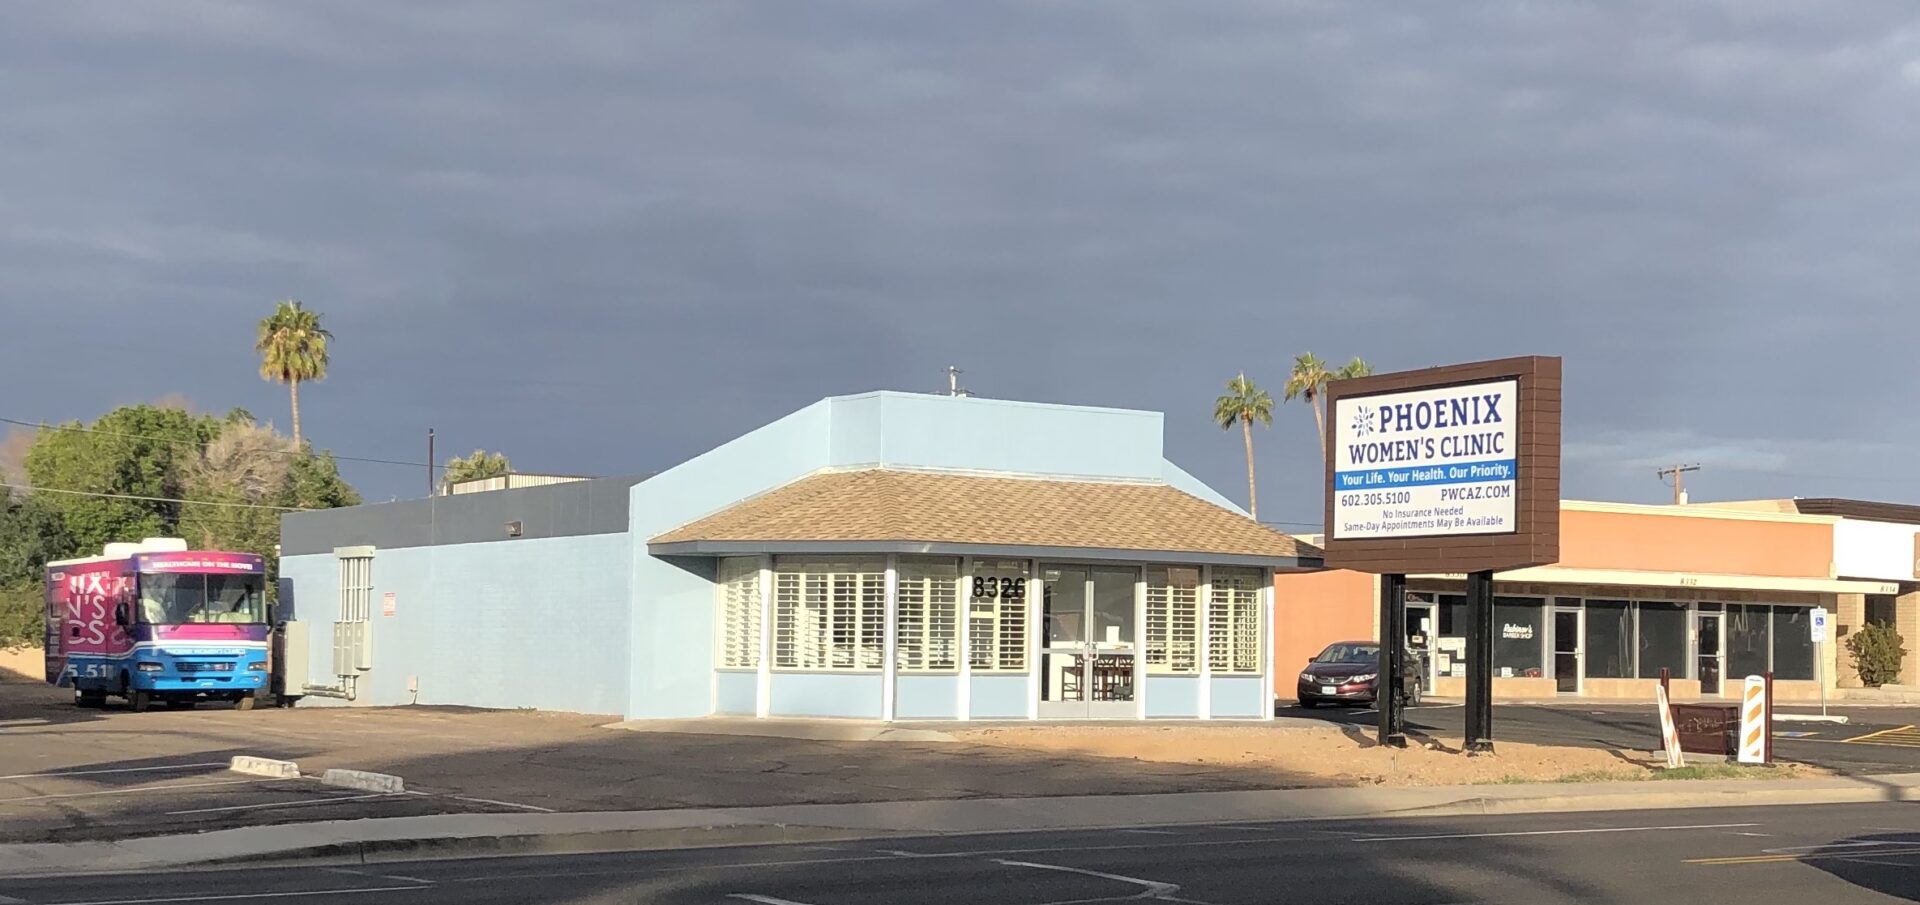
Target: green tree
1243 404
293 348
1877 651
481 464
31 533
136 454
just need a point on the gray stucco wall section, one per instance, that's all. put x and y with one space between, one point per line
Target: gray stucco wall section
573 509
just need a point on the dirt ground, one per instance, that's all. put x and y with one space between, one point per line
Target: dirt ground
1338 757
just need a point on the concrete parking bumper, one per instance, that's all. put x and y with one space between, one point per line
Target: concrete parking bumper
478 835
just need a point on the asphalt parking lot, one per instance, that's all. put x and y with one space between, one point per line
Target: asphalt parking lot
69 774
1873 740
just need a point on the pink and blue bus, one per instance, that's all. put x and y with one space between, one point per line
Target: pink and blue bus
155 621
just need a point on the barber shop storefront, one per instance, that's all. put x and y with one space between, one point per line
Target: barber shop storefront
1705 595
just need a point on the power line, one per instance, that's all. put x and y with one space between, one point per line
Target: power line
151 499
176 440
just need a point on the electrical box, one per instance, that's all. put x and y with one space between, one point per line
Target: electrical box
352 647
295 645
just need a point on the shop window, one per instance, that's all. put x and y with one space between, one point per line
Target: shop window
1792 643
927 616
1880 609
1173 620
829 614
1749 643
1234 633
997 615
737 592
1519 630
1609 641
1663 640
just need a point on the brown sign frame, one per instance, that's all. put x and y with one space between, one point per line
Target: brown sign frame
1535 540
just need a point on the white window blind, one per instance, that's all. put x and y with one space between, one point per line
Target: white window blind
738 597
997 616
829 614
1173 620
928 615
1234 640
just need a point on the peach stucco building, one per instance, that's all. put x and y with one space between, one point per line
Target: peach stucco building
1709 592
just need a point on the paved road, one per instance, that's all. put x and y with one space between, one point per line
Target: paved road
1833 855
1874 739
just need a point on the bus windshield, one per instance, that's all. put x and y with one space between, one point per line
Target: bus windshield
173 598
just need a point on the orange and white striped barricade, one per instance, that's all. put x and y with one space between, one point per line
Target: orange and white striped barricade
1669 736
1756 721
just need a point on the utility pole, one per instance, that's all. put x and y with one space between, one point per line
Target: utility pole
953 382
430 487
1678 473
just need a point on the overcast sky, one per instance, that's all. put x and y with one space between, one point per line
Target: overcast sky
603 237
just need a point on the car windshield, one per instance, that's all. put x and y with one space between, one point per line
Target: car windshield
171 598
1349 653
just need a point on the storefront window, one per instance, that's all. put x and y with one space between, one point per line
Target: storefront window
1792 643
1173 619
927 615
1663 640
1609 641
1518 631
1748 640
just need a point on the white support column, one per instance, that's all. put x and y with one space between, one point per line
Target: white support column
1139 643
1034 648
889 669
1206 642
963 594
763 686
1266 639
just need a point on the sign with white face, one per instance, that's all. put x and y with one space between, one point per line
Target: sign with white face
1818 624
1426 463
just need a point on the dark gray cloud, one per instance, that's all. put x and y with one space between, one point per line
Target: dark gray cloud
605 236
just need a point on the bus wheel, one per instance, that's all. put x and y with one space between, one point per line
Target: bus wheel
244 702
138 701
89 698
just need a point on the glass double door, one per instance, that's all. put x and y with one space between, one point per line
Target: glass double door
1090 642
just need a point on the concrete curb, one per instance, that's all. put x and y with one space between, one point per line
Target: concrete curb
364 780
483 835
264 766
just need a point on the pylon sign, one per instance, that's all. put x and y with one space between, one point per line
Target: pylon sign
1755 719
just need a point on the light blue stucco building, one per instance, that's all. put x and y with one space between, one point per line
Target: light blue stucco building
880 556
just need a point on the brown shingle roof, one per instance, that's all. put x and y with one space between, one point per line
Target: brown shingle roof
883 505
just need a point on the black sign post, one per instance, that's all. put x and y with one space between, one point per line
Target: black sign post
1480 629
1393 637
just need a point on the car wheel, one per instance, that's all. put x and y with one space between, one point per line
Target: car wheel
1308 705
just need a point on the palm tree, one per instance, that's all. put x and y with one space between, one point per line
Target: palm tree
293 347
1358 367
1309 375
1244 404
1309 382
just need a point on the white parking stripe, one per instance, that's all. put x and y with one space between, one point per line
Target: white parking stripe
279 804
1154 887
763 900
127 791
220 764
1609 829
247 895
